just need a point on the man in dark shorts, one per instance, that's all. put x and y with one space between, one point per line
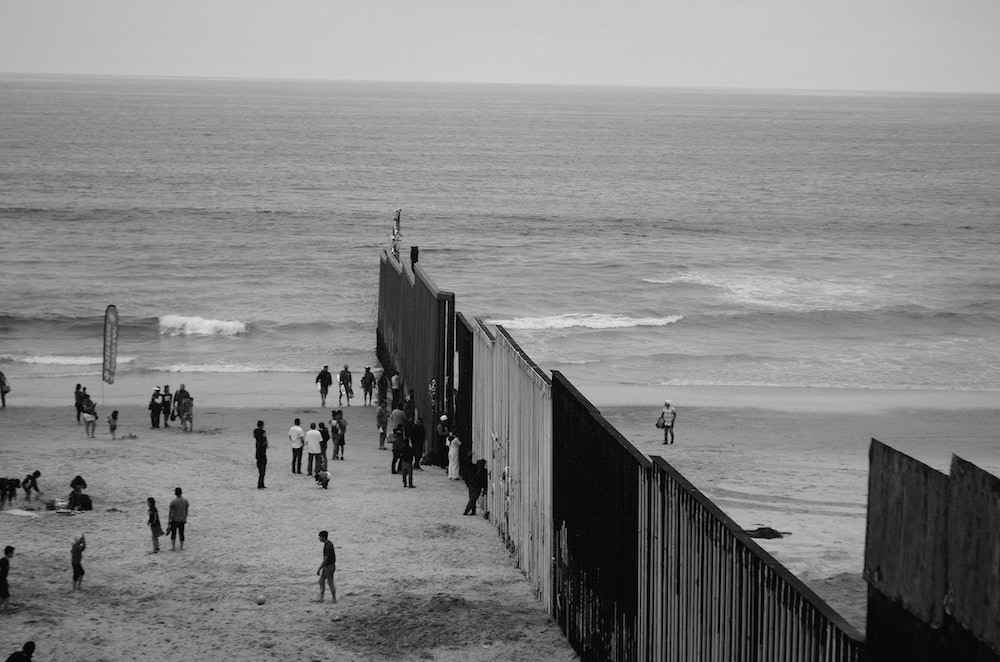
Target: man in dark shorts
260 439
327 567
178 514
367 385
324 379
346 386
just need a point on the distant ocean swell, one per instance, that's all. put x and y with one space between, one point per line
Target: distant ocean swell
587 321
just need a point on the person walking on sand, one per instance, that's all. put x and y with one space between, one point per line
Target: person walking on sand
78 399
76 558
154 408
454 445
668 416
154 524
381 421
313 439
323 381
367 386
177 516
8 554
346 386
327 568
298 439
260 442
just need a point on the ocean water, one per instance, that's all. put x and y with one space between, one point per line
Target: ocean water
624 236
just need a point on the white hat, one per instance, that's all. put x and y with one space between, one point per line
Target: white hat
157 388
444 417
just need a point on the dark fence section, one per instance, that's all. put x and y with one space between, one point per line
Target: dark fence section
462 423
931 560
648 568
416 336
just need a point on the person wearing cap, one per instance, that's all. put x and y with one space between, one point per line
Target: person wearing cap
155 404
669 415
367 385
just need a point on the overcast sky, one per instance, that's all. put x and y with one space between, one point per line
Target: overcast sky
893 45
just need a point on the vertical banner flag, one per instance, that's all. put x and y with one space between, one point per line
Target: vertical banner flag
110 344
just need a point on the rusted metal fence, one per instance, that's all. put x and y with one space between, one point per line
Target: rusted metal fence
648 568
512 431
932 560
416 336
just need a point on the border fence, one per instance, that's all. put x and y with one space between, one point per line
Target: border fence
636 564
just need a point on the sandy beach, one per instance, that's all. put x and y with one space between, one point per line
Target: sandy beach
415 579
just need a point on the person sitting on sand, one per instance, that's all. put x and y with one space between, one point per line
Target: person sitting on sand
323 478
23 655
77 500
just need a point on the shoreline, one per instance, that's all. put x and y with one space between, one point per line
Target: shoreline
284 389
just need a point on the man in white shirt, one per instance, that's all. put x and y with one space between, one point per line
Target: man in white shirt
313 440
298 439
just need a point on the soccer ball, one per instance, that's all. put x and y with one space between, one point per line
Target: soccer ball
260 599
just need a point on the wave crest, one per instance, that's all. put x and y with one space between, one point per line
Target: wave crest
179 325
590 321
62 360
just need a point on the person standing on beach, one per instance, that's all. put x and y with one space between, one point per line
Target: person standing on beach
398 442
382 383
324 379
166 405
298 439
668 415
406 463
324 442
154 408
417 438
478 480
89 416
180 395
8 554
313 438
381 421
177 515
260 441
396 382
4 390
367 385
76 558
341 436
346 386
154 524
78 399
454 445
327 568
113 424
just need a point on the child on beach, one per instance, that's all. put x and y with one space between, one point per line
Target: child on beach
154 524
113 423
76 556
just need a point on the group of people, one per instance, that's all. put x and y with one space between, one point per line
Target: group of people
9 487
86 410
315 443
170 407
177 515
345 385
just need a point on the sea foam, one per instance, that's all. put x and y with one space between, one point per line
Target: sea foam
588 321
179 325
